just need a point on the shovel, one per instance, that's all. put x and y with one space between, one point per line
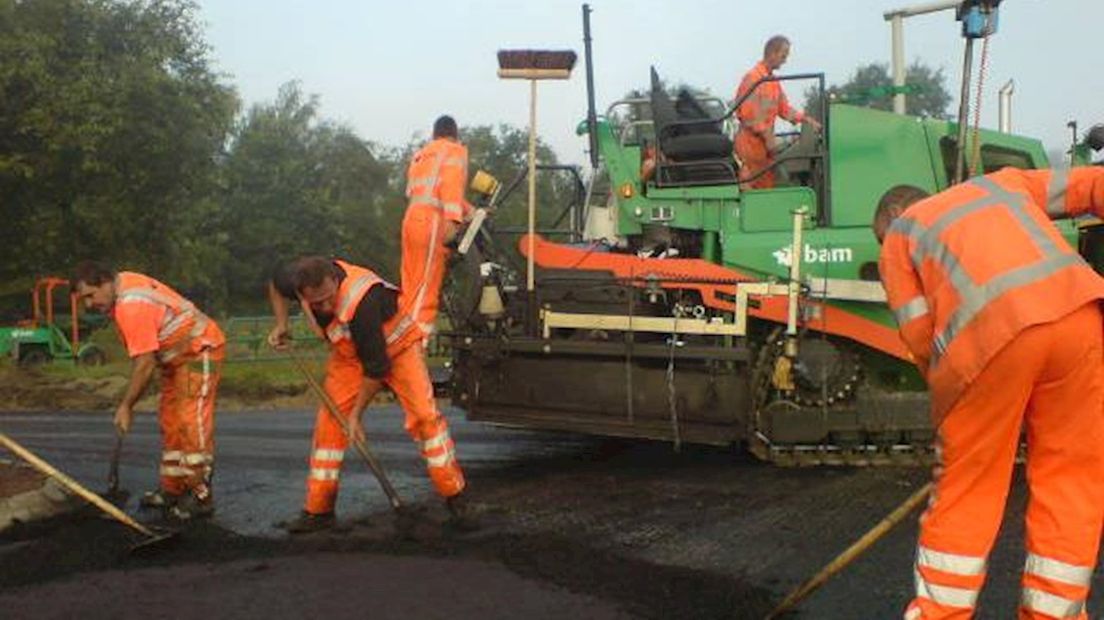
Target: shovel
114 494
407 520
152 537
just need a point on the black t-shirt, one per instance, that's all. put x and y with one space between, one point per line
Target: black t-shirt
366 327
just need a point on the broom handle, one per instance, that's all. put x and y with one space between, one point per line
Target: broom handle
853 552
361 447
73 485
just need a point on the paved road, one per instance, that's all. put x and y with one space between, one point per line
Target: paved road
261 458
704 533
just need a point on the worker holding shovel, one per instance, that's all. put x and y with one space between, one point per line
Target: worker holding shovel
354 309
1003 318
163 331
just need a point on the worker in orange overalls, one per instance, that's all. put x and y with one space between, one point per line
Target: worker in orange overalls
164 331
755 143
354 309
1002 317
435 182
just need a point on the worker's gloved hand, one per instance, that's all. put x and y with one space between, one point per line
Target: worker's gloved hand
278 338
123 417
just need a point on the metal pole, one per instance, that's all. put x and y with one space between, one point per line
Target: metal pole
896 19
964 112
592 116
529 280
921 9
1004 122
897 26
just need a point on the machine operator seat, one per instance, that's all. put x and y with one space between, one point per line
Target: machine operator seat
686 144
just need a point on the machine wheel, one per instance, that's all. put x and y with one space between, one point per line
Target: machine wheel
461 290
34 356
92 356
826 371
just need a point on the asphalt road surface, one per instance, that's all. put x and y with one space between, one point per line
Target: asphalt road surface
575 526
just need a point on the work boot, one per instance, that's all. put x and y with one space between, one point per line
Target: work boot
191 507
308 522
461 515
159 498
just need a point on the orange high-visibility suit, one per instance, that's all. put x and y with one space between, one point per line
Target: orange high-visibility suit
189 346
1002 317
408 377
435 183
757 115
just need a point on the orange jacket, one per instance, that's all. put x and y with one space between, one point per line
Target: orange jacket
437 176
358 281
766 104
968 269
152 317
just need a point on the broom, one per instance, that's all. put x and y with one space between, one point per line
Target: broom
534 65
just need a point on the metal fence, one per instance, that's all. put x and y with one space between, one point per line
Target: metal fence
246 340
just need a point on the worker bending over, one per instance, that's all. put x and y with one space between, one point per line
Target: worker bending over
164 331
354 309
1002 318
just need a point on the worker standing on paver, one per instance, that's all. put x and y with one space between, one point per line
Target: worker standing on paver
435 183
1002 317
353 308
164 331
755 142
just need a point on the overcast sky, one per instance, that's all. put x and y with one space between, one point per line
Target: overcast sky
388 68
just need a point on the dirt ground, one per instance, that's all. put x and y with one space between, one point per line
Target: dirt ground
585 527
16 479
32 390
86 563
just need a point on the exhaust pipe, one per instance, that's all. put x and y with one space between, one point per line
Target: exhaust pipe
1004 122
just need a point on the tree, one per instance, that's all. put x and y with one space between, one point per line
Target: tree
641 109
111 121
503 152
871 85
296 184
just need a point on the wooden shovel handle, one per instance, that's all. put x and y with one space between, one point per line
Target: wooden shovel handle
73 485
854 551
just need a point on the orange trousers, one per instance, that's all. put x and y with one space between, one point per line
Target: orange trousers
187 417
409 379
754 156
424 261
1050 381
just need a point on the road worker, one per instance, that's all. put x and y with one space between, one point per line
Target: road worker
163 331
755 142
1001 316
354 309
435 183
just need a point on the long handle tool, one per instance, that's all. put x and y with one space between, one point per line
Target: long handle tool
361 446
854 551
113 493
153 537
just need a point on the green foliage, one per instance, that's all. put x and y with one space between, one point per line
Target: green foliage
119 142
110 118
295 184
872 86
503 152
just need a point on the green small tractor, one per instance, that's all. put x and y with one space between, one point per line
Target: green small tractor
41 339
